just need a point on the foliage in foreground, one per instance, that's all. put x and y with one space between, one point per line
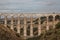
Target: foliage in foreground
53 34
8 34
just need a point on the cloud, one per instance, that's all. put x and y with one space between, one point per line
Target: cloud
50 3
29 5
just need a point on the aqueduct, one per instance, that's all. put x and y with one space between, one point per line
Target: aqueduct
25 20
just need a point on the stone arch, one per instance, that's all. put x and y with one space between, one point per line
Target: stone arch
22 15
57 17
43 18
2 17
50 18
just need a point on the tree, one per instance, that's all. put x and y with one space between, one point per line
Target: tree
58 25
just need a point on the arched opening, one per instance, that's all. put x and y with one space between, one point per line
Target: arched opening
50 18
57 17
2 21
43 19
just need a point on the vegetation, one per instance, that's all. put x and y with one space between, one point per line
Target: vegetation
8 34
53 34
58 25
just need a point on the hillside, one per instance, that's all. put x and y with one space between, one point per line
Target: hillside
8 34
53 34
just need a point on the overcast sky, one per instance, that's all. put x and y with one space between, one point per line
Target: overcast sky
29 5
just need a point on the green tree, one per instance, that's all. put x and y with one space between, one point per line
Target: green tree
58 25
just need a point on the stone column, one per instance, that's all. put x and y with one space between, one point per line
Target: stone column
47 27
39 26
18 25
53 22
25 26
12 23
5 21
31 26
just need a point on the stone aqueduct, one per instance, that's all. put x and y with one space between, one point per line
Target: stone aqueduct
26 17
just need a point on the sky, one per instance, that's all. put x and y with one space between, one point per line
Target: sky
29 5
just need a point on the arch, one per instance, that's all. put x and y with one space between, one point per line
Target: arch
43 18
50 18
57 17
22 15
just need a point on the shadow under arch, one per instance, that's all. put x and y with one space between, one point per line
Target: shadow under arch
43 19
57 17
50 18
